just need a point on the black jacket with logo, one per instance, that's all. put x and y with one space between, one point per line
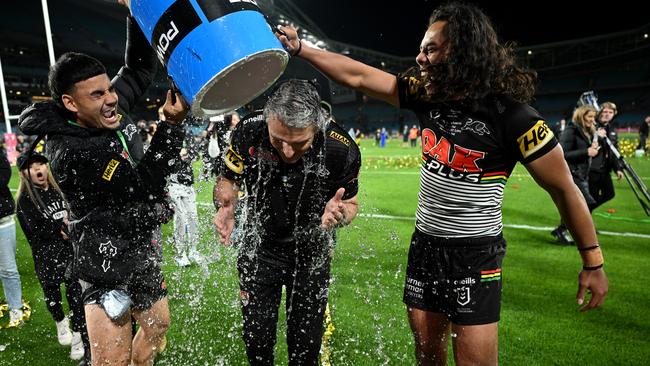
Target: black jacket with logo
113 191
42 227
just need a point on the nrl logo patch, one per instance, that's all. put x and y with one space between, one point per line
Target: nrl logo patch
463 295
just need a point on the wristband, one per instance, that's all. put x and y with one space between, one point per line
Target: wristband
299 48
589 248
592 268
591 257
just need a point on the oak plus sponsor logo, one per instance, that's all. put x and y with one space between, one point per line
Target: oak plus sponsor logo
450 160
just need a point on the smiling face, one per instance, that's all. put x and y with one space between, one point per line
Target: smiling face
606 115
590 119
38 173
290 142
433 50
94 101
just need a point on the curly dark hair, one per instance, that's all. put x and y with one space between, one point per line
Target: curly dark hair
477 64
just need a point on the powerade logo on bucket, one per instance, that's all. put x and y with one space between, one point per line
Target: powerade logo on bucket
174 24
180 19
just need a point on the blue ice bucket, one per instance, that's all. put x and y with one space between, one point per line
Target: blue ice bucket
221 54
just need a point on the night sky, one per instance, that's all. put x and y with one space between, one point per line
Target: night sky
397 29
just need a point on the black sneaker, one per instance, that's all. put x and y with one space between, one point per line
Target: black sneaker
562 236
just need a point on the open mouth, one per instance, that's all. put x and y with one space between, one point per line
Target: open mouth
110 115
39 175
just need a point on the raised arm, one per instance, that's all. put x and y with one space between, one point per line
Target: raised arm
344 70
552 173
139 68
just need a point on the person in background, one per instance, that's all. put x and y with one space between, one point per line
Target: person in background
601 186
414 132
559 128
8 268
580 146
182 193
405 136
644 127
43 215
471 97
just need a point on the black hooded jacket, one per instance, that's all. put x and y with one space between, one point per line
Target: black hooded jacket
575 144
42 227
112 189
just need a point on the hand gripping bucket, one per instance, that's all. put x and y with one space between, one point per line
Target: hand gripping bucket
221 54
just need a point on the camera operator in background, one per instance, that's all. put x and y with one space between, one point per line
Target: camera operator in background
601 187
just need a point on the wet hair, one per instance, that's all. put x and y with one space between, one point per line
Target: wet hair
579 119
296 103
476 64
69 69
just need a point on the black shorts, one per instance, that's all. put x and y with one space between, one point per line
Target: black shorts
146 287
457 277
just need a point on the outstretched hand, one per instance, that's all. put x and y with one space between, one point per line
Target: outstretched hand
334 214
596 282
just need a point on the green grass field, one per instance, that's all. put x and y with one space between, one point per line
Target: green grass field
540 323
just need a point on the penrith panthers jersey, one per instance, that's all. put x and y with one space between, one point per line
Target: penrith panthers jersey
468 154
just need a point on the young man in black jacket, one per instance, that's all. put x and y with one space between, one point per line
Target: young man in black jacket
114 192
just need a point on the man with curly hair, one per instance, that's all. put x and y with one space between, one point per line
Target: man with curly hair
471 98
